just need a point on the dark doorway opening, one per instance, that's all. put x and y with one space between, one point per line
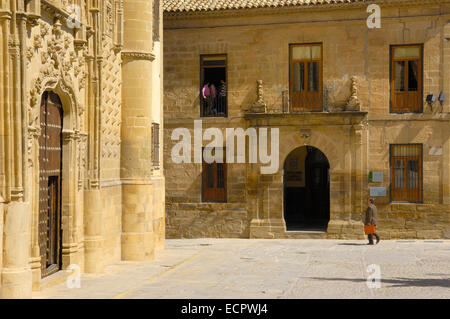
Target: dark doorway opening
306 190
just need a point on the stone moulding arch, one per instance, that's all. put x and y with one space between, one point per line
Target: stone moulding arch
314 139
54 79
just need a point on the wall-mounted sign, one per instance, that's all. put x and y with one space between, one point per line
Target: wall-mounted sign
435 150
376 177
378 191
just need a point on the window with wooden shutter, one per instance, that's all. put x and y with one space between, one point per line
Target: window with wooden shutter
406 79
305 77
214 181
406 173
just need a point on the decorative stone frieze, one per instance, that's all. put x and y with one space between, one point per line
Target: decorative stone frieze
135 55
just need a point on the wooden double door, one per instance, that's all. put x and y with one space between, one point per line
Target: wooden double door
50 169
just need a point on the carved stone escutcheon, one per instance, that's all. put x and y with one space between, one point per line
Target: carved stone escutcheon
305 135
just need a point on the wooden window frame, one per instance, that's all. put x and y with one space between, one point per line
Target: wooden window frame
291 79
221 193
202 79
393 197
392 107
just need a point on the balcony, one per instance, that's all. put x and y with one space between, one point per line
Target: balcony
213 107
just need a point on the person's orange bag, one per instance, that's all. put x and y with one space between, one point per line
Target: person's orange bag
369 229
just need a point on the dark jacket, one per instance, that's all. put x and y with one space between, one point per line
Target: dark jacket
372 209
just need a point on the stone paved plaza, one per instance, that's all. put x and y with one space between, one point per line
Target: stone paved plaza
243 268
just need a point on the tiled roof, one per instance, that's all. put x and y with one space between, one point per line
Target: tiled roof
213 5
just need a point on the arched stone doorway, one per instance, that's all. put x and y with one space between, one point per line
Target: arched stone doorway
50 183
306 190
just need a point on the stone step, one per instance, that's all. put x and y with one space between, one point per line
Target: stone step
54 279
305 235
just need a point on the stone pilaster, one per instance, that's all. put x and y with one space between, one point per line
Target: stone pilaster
136 166
93 221
16 273
446 172
2 209
446 67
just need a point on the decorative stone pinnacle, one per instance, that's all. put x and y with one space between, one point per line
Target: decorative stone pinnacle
353 103
259 106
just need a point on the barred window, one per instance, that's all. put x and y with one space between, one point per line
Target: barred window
155 150
214 176
406 173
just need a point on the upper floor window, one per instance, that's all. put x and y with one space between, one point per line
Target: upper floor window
406 172
305 85
406 78
213 88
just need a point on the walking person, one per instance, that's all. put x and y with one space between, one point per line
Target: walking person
370 221
206 94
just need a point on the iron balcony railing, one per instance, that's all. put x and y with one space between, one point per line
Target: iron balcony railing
214 107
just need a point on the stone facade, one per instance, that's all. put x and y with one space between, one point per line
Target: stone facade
106 68
354 130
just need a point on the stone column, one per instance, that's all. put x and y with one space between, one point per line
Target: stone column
16 272
136 166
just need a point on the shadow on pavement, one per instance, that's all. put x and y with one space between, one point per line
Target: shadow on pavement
400 282
352 244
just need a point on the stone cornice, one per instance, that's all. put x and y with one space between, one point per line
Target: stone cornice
175 15
54 10
307 118
438 117
137 55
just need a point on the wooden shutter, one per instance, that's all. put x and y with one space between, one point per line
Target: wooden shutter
214 181
306 77
406 79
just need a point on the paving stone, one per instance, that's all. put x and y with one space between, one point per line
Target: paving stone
292 268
